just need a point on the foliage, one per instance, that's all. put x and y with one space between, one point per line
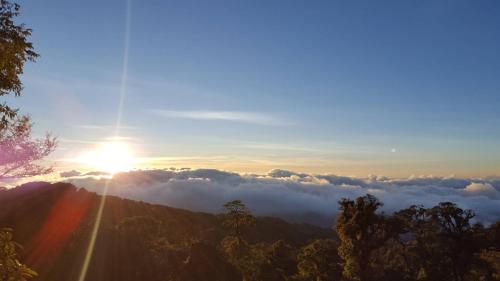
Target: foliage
19 152
492 258
15 50
140 241
319 261
153 249
238 218
205 262
239 252
444 245
11 269
261 261
361 230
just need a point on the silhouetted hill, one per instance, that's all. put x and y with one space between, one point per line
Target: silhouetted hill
136 240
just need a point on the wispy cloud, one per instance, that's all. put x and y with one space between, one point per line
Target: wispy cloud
236 116
77 141
102 127
279 147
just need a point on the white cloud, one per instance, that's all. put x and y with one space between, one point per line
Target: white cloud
295 196
482 189
69 174
237 116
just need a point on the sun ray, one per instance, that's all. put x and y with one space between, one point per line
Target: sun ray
93 237
110 157
123 91
123 85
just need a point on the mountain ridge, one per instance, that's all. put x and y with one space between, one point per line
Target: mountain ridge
54 222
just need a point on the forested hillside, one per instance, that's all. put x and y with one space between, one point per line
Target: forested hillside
136 241
141 241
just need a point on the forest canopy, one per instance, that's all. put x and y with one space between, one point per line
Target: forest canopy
140 241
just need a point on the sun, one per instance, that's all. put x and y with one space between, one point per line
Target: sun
111 157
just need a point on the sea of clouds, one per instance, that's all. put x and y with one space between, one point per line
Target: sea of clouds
297 197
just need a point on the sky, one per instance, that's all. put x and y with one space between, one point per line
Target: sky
393 88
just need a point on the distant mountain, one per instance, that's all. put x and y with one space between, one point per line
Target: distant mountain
136 240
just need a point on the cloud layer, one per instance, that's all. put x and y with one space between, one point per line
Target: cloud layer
294 196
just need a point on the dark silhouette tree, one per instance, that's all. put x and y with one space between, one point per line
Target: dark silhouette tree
361 231
19 153
492 260
237 218
445 245
278 262
261 261
11 269
422 254
319 261
205 262
15 50
153 254
458 237
493 236
237 252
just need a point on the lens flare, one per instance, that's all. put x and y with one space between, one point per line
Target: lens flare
119 157
111 157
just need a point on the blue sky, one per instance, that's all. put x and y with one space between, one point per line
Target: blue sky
353 87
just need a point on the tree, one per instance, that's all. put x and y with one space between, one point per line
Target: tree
492 259
493 236
153 255
15 50
361 230
422 254
319 261
237 218
205 262
277 261
19 153
236 251
11 269
261 261
458 237
444 245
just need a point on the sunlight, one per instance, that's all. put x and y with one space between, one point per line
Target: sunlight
111 157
